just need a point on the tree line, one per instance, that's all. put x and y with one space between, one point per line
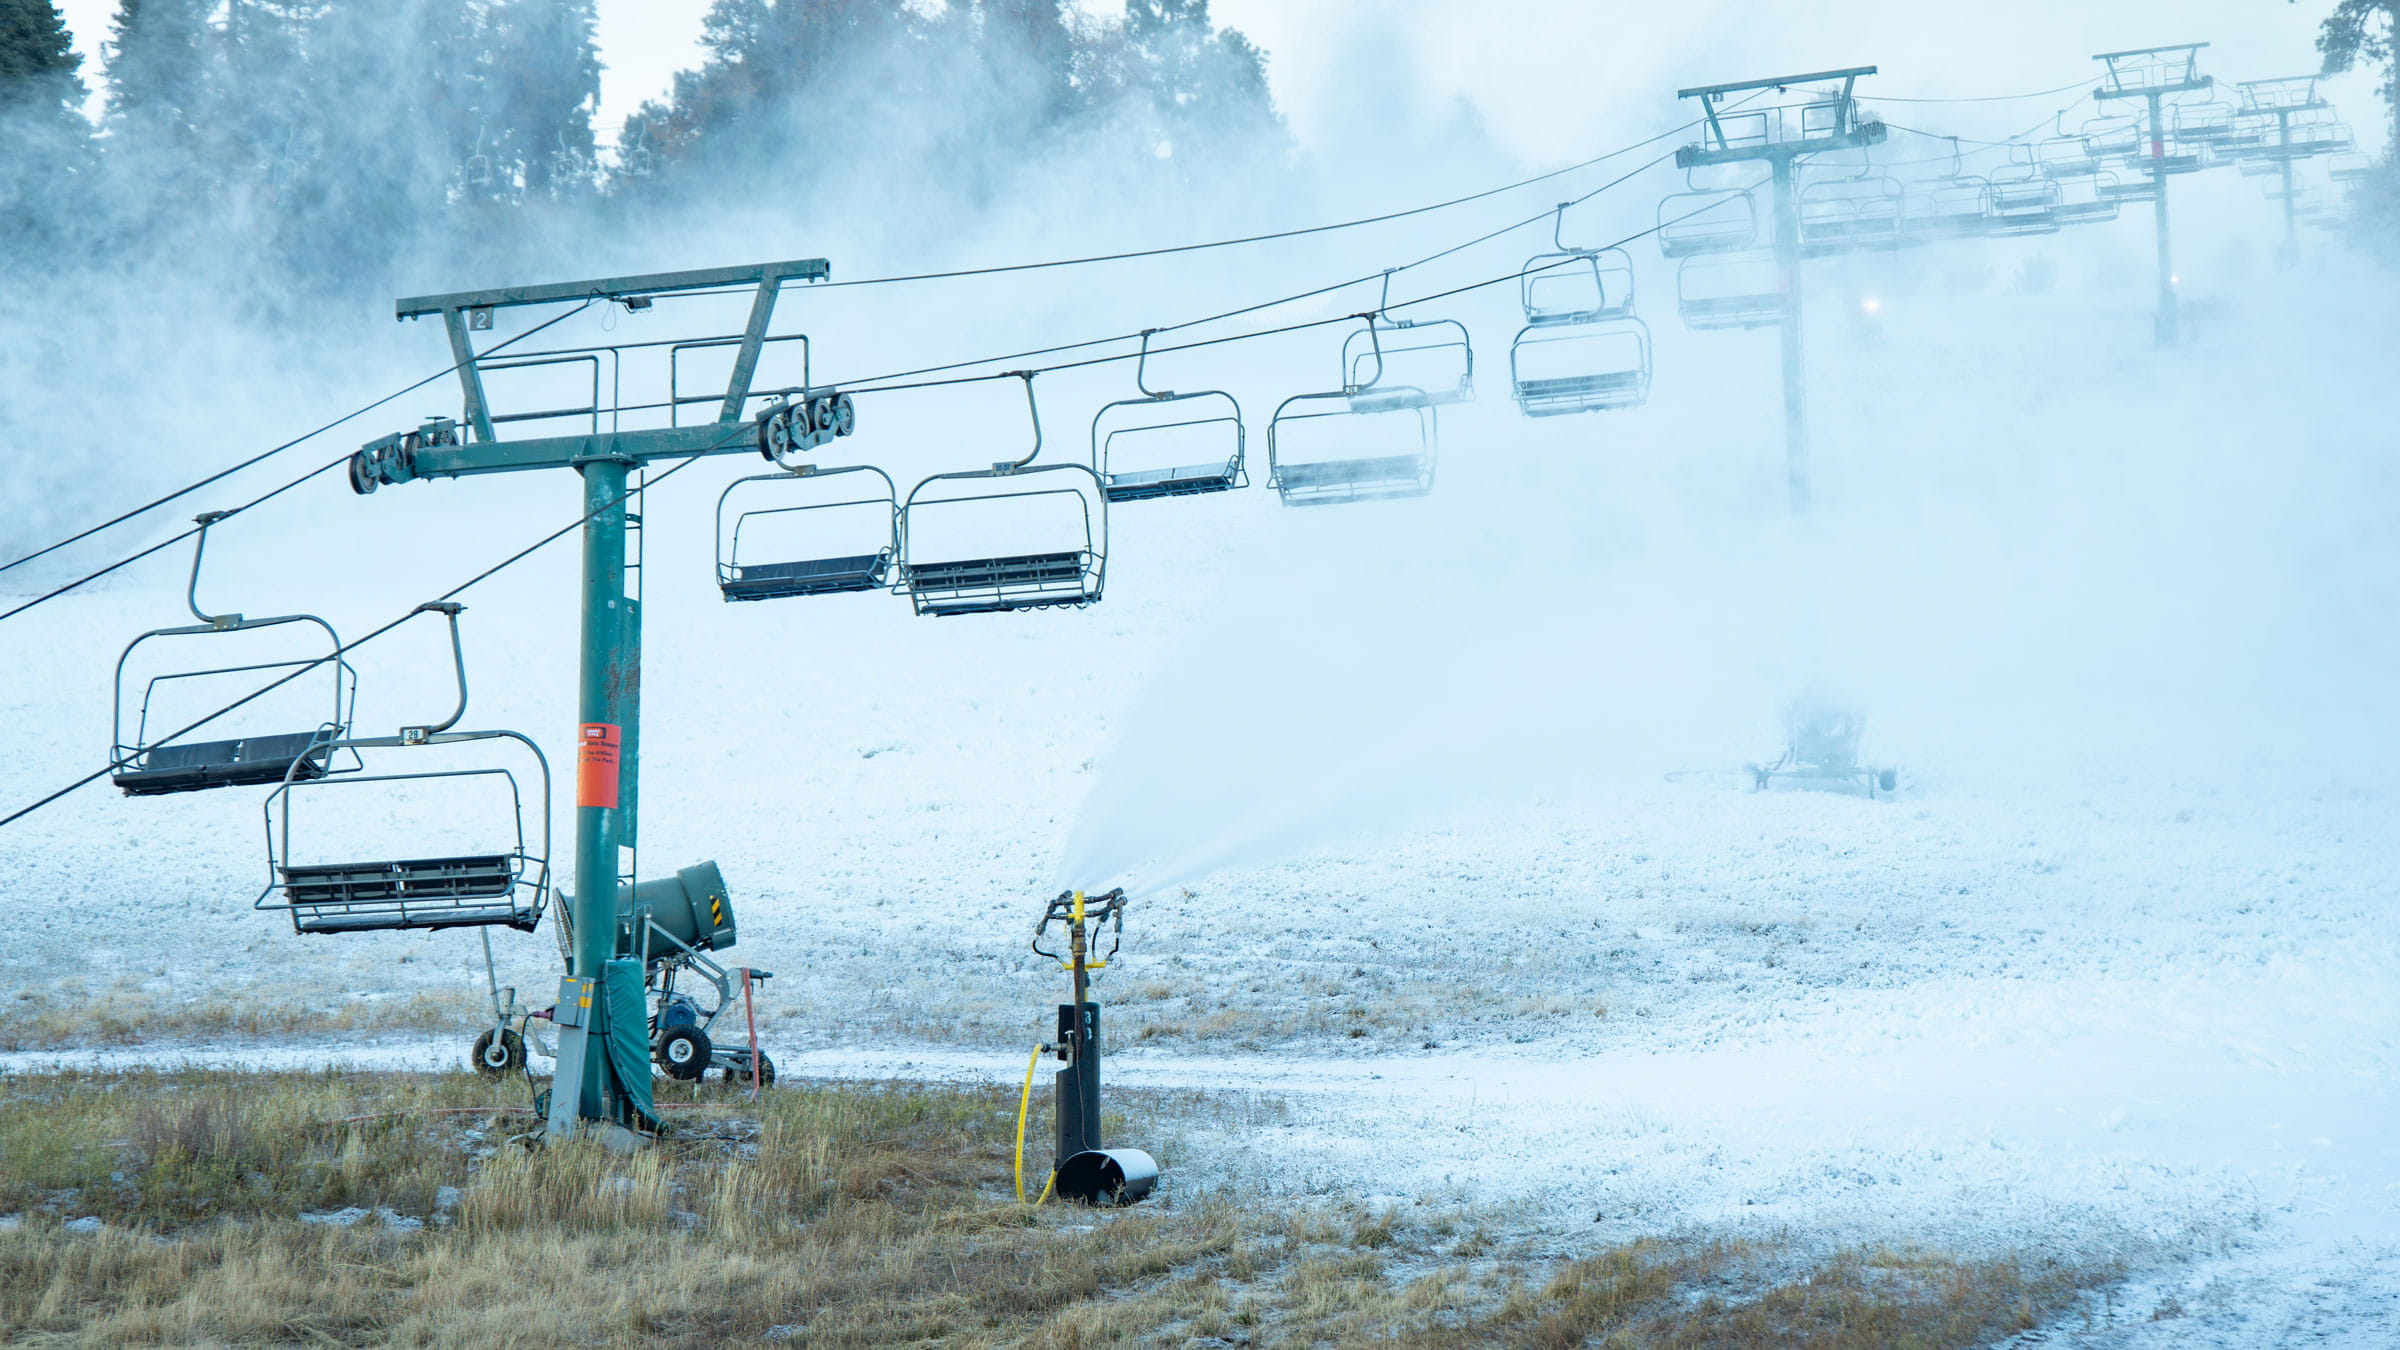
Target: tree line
321 142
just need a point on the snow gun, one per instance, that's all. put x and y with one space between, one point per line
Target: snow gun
1082 1169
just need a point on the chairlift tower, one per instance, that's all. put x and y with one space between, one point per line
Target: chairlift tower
608 458
1822 739
2151 74
2284 99
1778 137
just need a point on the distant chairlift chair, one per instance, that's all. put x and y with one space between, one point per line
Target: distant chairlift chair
1582 348
1367 391
1850 215
2062 156
145 767
2023 200
1707 222
1407 363
1002 584
1206 414
1945 208
1738 290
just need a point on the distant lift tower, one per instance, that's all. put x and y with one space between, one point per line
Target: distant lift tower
1778 136
2293 97
607 455
2152 74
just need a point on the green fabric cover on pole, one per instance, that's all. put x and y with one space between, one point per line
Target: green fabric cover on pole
627 1043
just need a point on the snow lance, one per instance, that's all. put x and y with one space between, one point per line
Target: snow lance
1082 1168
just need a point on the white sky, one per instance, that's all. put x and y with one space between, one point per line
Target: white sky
1550 79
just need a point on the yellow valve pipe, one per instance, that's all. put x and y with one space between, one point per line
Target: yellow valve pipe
1024 1100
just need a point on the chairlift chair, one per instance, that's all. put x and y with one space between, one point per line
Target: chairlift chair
1386 376
1850 215
2062 157
2116 136
1945 208
2349 167
505 888
1582 349
2131 189
1707 222
1365 478
477 171
2250 133
143 767
1574 285
2088 200
2208 121
1206 416
2177 157
1578 368
1330 480
2314 208
2025 203
743 575
1001 584
2322 138
639 160
1571 284
1730 291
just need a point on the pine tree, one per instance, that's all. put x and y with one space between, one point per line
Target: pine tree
2366 30
1201 90
47 165
536 86
37 58
805 89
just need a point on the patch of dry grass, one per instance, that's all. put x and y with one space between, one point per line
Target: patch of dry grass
72 1015
825 1215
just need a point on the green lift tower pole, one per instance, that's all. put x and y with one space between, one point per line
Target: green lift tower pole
1780 137
2151 74
608 688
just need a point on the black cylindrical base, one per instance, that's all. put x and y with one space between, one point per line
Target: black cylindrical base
1079 1083
1116 1176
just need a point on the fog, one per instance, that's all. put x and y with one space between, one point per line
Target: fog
2039 545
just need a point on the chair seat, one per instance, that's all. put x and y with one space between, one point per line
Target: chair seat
998 585
1735 311
1403 397
1583 393
1674 243
421 918
2080 212
820 576
252 761
1355 480
471 877
1136 485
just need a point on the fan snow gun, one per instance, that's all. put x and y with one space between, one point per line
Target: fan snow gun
1083 1170
798 425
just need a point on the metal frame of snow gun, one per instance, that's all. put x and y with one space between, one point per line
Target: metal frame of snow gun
1084 1168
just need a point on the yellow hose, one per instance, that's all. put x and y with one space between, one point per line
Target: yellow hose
1025 1099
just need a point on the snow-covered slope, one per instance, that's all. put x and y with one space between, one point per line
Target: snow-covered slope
1432 814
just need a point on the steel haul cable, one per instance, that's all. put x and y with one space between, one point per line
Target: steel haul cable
878 388
348 647
255 501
